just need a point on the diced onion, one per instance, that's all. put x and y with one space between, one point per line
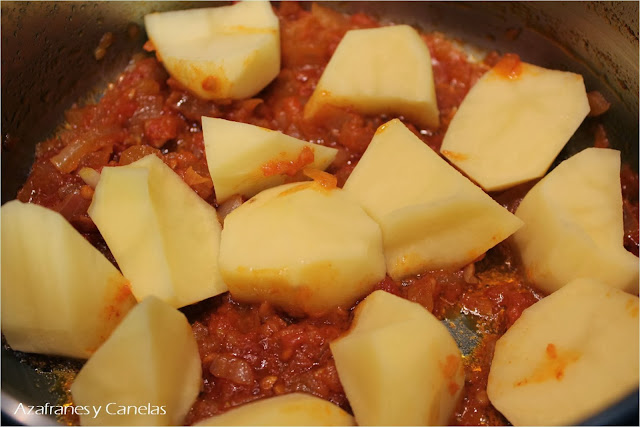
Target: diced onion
90 177
231 368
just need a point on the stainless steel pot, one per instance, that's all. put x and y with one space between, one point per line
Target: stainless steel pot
49 62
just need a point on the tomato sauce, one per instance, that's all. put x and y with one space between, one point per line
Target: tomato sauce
254 351
289 167
509 67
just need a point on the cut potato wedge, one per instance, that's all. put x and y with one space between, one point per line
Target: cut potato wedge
398 364
574 226
431 216
302 247
228 52
295 409
164 237
377 71
60 296
513 123
245 159
573 353
147 373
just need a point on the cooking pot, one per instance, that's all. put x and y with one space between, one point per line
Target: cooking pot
52 56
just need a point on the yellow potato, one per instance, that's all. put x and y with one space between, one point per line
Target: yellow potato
573 225
295 409
567 357
239 156
398 364
303 247
147 373
228 52
164 237
431 216
376 71
60 295
509 129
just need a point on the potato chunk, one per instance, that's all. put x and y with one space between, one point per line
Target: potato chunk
60 295
295 409
573 225
164 237
303 247
431 216
246 159
228 52
147 373
573 353
379 70
398 364
513 123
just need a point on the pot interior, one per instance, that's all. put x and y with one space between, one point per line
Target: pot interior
49 62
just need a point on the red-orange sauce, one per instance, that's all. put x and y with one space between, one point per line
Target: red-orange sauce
553 366
509 66
326 180
210 84
253 351
289 167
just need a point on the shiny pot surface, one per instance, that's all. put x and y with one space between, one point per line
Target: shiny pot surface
49 62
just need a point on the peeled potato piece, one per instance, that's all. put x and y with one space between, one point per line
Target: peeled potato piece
574 226
513 123
303 247
243 159
60 295
398 364
567 357
147 373
376 71
431 216
295 409
164 237
228 52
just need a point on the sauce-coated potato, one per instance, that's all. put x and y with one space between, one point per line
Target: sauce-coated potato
147 373
398 364
379 70
228 52
567 357
246 159
295 409
574 225
431 216
303 247
60 295
513 123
